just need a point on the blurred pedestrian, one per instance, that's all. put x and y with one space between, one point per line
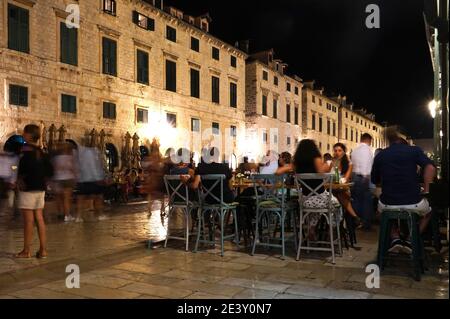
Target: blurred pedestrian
64 179
91 181
155 168
35 170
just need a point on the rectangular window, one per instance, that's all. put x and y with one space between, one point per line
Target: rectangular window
195 83
109 6
233 61
215 53
346 115
171 119
215 128
109 56
346 133
195 125
109 110
288 113
328 127
288 140
296 115
195 44
334 128
143 21
264 105
233 131
265 137
275 108
233 94
142 67
351 135
171 34
215 88
313 122
18 95
356 136
18 29
320 124
265 76
288 87
171 76
275 80
142 115
320 102
68 44
296 90
68 103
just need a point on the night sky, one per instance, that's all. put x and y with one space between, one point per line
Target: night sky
387 71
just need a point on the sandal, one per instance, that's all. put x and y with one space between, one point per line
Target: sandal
22 255
40 256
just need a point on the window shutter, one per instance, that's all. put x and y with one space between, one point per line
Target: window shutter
150 24
113 55
135 17
24 30
13 27
105 49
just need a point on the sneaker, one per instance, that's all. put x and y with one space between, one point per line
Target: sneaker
79 220
102 217
396 246
407 248
68 219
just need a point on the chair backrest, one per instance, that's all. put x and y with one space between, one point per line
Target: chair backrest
269 187
177 191
211 189
303 182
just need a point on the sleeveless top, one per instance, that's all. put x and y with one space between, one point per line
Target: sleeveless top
309 168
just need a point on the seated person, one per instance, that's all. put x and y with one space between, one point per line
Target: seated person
247 167
183 169
395 168
210 165
345 167
269 164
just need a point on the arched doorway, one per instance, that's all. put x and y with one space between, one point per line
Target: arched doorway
112 157
72 143
14 144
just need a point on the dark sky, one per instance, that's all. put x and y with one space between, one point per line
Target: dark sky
388 71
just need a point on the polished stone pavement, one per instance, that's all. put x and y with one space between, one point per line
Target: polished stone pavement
115 262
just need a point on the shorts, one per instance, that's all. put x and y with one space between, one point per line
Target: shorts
31 200
62 185
422 208
90 188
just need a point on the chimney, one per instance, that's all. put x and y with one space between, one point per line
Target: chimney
243 45
159 4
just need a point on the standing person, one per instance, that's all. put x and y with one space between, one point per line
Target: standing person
91 181
34 171
155 167
362 159
64 178
395 168
345 167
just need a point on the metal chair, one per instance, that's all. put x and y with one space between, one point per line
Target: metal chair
271 202
330 211
212 206
178 193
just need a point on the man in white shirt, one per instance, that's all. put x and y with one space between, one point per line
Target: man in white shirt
362 159
269 164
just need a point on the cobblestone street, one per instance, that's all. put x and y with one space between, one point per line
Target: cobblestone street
115 262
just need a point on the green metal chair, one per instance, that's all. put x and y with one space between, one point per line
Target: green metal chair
213 206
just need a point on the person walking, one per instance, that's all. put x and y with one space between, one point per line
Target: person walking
34 171
362 159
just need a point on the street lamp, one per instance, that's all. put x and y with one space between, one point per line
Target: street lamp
432 107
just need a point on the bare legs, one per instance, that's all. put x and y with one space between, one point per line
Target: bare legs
345 200
64 201
97 201
29 217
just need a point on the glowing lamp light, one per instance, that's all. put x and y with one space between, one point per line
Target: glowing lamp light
432 106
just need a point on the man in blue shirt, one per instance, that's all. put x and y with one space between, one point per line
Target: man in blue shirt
395 168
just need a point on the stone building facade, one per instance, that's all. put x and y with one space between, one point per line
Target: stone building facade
134 67
274 104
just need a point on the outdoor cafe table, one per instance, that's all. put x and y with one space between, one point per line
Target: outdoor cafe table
240 186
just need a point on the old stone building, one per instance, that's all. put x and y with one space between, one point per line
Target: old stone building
329 120
274 104
132 67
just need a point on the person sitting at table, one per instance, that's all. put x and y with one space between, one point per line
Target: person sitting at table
395 168
269 164
210 165
247 167
345 167
285 158
327 158
308 160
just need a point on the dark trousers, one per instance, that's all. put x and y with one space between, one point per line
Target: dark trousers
362 199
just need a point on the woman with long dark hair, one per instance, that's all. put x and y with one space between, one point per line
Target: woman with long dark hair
345 167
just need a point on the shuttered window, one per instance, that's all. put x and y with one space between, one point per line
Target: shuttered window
171 76
215 89
233 94
68 103
109 55
195 83
18 29
109 110
68 44
18 95
142 67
